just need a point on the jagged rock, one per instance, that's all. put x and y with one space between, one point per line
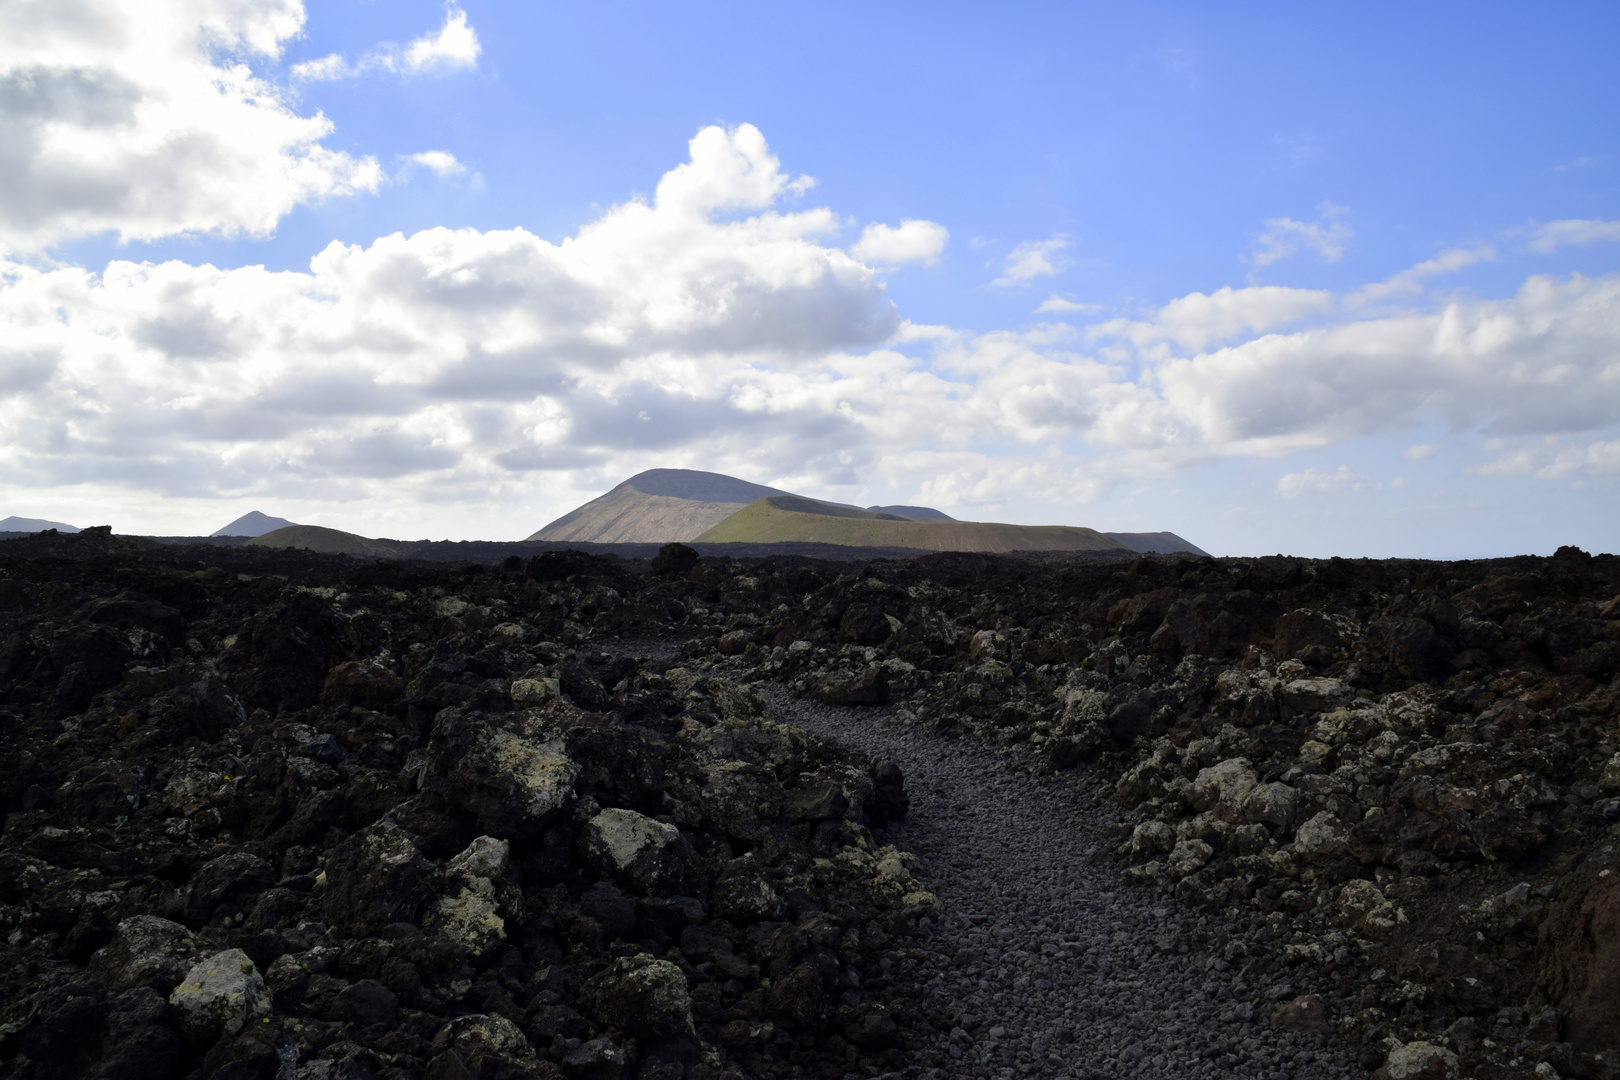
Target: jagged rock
225 878
485 857
375 878
1321 838
145 951
527 693
514 783
1272 805
219 996
483 1034
1418 1061
1151 837
1220 789
641 996
636 848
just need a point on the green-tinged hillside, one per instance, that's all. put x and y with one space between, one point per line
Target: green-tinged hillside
325 541
782 519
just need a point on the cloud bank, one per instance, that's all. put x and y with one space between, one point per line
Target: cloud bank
721 323
145 120
711 325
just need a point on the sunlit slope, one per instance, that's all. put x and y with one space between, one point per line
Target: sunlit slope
781 519
326 541
656 507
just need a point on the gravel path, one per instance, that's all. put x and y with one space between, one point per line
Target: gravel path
1061 967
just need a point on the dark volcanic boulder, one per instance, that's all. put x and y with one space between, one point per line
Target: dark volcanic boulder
222 879
869 686
375 878
145 951
640 996
514 782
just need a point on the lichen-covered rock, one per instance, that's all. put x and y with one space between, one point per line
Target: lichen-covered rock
1188 856
1272 805
468 916
641 996
636 848
514 782
741 799
481 1033
527 693
375 878
1321 838
145 951
485 857
1418 1061
219 996
1220 789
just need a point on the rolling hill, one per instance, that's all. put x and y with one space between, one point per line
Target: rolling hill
778 518
253 523
326 541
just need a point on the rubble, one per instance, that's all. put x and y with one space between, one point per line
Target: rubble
286 815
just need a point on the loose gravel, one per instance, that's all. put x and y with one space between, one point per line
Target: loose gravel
1048 961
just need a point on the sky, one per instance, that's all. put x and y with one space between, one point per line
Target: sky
1278 278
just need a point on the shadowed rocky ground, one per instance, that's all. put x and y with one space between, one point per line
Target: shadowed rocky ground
279 814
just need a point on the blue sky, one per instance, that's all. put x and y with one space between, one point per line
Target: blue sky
1093 167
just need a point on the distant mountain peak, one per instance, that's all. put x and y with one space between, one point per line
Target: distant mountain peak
699 486
253 523
31 525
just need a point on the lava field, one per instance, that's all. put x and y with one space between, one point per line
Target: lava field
278 814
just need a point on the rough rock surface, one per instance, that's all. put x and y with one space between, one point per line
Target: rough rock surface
293 816
434 803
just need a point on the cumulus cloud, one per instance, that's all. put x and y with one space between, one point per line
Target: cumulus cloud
1419 452
910 241
458 358
454 46
146 121
1556 234
1195 320
442 162
1033 259
1321 482
1282 237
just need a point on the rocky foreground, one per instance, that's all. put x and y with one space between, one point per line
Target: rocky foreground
277 814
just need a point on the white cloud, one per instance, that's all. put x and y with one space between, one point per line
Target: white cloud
328 68
145 121
1553 458
1033 259
1555 234
455 46
1197 319
1327 236
428 366
1321 482
442 162
1411 279
1419 452
1059 304
910 241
